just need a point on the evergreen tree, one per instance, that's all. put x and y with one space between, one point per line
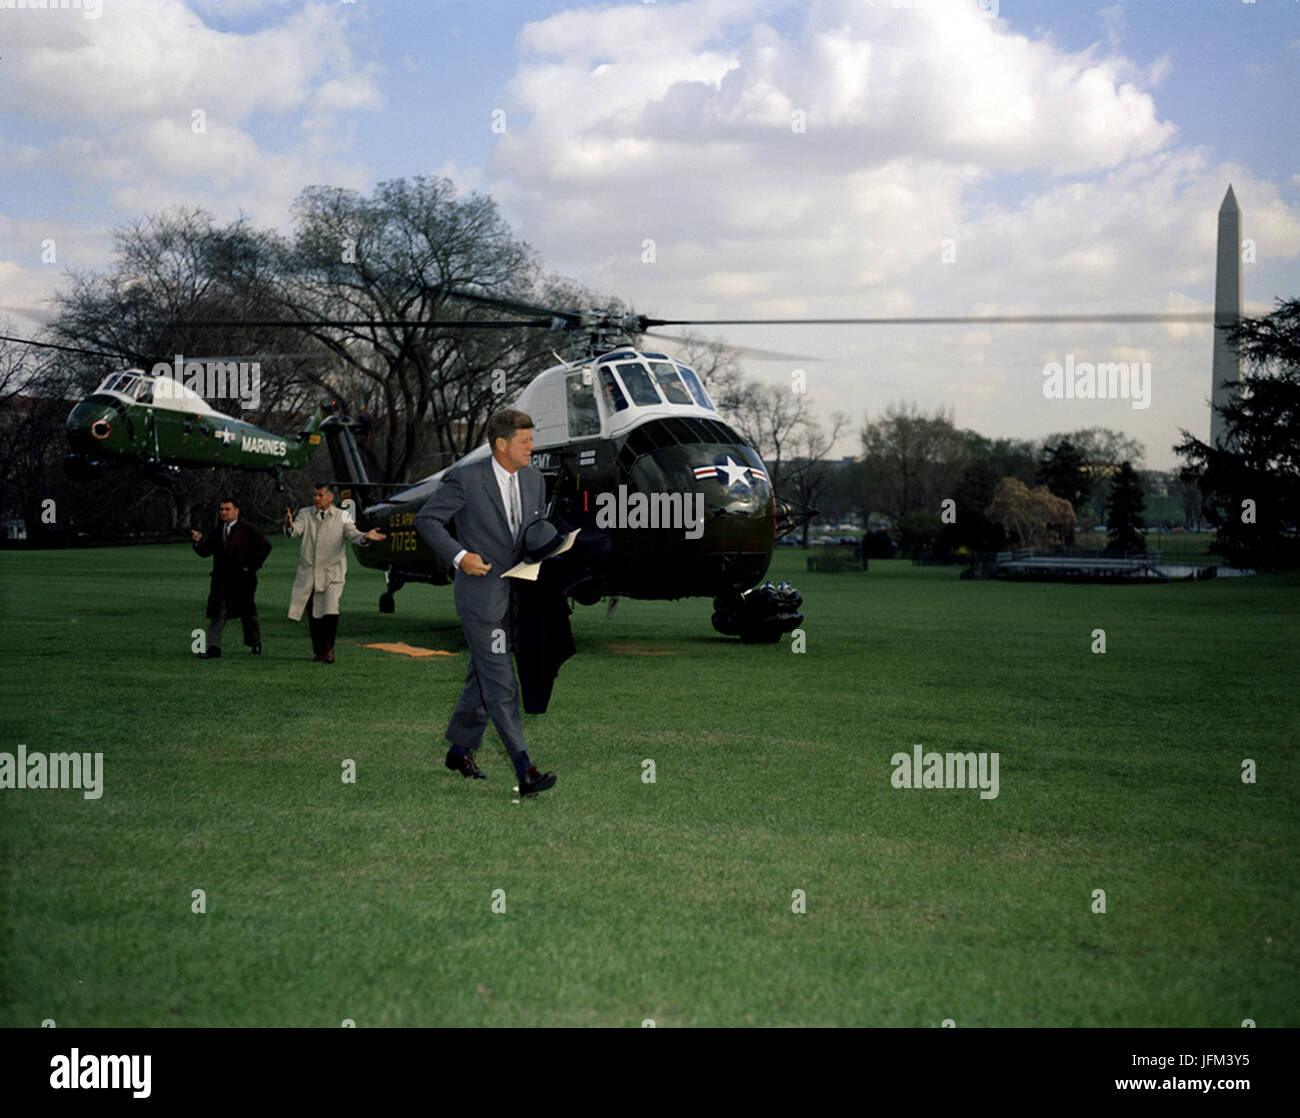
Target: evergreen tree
1063 470
1251 487
1125 528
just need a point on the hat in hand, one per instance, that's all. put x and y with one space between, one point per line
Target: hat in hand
541 540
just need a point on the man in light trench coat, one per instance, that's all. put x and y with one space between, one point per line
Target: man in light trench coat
322 566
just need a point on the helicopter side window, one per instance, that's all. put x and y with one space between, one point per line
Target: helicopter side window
584 418
614 399
639 385
669 383
697 389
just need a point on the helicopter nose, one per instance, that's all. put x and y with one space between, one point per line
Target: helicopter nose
91 427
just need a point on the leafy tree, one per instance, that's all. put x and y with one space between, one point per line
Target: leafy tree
1036 517
1125 527
1251 486
991 460
918 530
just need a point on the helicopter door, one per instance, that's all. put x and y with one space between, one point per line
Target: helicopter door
580 394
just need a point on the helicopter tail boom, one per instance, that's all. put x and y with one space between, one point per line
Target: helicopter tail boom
300 451
345 456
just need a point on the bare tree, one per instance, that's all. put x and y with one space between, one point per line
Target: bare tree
911 460
1036 516
808 473
400 255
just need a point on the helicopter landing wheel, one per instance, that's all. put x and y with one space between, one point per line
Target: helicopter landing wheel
386 603
762 615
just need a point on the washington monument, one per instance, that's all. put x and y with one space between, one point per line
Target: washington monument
1227 311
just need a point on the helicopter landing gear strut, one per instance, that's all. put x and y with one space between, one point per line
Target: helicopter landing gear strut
760 615
394 583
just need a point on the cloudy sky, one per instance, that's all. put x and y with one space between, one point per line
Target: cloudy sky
818 159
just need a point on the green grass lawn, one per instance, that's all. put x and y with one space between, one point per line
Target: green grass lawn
671 901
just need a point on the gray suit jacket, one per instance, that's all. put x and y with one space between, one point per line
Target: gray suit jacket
469 494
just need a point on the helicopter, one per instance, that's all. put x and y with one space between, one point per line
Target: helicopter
157 420
637 423
618 428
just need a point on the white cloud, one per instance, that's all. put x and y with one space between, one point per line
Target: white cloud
116 99
113 101
914 116
874 84
166 61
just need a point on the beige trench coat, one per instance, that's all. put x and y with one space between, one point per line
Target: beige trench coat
322 559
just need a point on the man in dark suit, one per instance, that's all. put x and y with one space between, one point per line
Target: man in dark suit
492 498
238 549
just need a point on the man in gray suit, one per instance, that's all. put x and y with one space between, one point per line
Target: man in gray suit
493 498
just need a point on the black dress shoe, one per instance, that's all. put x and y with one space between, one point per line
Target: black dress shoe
533 782
257 650
464 765
211 654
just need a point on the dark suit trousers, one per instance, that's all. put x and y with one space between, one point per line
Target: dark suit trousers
323 629
491 694
252 627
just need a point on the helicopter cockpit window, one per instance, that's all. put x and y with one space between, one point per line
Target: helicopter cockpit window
584 417
613 394
125 383
639 385
669 382
697 389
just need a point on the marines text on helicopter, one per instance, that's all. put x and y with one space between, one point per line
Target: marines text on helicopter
160 422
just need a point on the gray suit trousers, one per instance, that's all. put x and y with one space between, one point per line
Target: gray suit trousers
491 693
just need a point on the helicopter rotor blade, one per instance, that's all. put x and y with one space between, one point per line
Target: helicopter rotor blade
317 323
645 321
946 320
318 355
513 305
740 350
